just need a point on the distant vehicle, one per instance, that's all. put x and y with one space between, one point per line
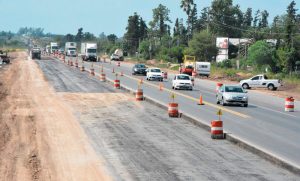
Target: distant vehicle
36 53
139 69
120 54
154 74
53 47
89 51
61 51
4 57
71 49
114 57
182 81
203 68
261 81
187 70
232 94
48 49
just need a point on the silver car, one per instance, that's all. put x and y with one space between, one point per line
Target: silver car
232 94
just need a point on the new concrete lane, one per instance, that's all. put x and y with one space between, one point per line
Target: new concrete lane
138 141
263 124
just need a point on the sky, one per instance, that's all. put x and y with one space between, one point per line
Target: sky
108 16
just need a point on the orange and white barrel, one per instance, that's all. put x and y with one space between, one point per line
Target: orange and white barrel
71 63
92 72
82 68
165 75
194 74
117 84
217 129
289 104
76 64
118 64
173 110
219 85
139 95
102 77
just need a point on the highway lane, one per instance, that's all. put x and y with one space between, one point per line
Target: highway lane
264 125
138 141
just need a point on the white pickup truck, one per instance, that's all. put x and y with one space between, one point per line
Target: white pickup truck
260 81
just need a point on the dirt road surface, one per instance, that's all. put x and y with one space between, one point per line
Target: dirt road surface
40 139
138 141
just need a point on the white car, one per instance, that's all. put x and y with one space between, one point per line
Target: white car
182 81
261 81
154 74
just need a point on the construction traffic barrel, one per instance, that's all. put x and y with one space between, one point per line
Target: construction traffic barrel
139 95
102 77
217 129
289 104
118 64
173 110
92 71
219 85
165 75
194 74
117 84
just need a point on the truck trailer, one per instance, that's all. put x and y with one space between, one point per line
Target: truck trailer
89 51
71 49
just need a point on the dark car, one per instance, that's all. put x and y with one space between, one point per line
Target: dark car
139 69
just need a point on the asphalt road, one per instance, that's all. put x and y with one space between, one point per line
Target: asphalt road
263 124
138 141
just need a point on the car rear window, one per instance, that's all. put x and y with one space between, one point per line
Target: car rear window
233 89
155 70
183 77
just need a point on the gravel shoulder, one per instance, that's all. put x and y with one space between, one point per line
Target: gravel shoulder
40 139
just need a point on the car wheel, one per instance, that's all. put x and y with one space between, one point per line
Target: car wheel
271 87
246 105
222 102
245 86
218 102
172 87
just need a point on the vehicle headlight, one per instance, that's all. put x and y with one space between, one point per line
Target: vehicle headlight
245 97
135 69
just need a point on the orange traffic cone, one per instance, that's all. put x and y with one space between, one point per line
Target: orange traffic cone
113 70
200 100
161 86
121 73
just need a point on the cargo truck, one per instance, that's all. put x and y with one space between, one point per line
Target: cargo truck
89 51
71 49
54 47
36 53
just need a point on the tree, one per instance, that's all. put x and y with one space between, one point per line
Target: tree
87 36
69 38
256 18
260 55
202 46
290 29
132 35
143 29
225 18
176 28
263 22
79 35
248 18
112 38
160 19
190 8
202 22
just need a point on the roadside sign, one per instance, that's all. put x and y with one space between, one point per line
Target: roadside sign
219 112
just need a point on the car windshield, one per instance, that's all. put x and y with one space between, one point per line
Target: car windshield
189 67
233 89
265 77
72 48
155 70
183 77
140 66
54 48
91 50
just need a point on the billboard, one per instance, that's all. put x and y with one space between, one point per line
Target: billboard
222 42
